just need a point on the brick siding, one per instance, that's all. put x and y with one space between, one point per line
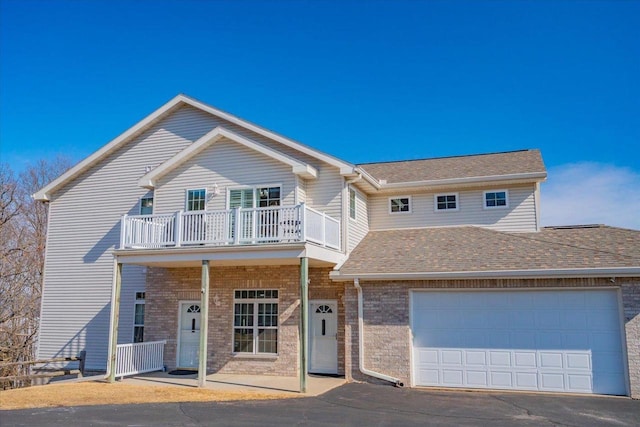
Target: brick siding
387 334
167 286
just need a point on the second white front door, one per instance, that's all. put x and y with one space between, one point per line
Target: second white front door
323 337
189 339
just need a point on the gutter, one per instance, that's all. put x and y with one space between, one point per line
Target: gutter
394 380
495 274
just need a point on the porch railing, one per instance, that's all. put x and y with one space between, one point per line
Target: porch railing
137 358
239 226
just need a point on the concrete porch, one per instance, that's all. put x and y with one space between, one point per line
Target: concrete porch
316 384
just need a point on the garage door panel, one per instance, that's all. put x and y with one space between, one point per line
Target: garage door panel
477 378
525 359
526 380
500 379
523 341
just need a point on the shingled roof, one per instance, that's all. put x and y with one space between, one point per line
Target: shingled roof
476 249
481 165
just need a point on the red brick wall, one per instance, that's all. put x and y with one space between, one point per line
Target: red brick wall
167 286
387 334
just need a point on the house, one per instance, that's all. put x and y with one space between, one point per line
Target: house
196 232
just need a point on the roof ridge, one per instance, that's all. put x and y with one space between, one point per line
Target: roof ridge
448 157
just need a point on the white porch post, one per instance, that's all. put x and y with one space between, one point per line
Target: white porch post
304 310
204 323
115 314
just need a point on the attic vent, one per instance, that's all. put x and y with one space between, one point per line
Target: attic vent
569 227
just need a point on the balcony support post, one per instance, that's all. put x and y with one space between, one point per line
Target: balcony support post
204 325
115 314
304 326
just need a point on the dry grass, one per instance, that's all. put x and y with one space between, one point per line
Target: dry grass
101 393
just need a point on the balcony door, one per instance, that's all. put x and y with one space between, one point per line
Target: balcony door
256 224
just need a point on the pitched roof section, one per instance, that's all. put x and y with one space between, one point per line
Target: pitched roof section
478 252
44 194
217 134
514 163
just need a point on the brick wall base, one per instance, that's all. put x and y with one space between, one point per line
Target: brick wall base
386 321
166 287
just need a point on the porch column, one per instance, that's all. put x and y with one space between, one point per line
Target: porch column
204 325
115 314
304 311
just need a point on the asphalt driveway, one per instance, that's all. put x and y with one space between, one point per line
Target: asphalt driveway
357 405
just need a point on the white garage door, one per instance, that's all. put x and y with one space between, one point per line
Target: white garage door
562 341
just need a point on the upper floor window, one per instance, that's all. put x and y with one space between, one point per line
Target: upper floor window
400 204
146 205
196 199
496 199
446 202
352 203
255 197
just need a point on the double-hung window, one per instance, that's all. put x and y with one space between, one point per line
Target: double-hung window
196 199
446 202
255 321
496 199
138 318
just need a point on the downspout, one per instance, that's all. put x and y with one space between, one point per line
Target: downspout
395 381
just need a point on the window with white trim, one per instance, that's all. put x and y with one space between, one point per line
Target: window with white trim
146 205
255 197
446 202
255 321
400 204
352 203
496 199
138 318
196 199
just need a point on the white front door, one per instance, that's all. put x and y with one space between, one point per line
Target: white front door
323 337
189 335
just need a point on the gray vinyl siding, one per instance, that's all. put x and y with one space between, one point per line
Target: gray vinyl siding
325 193
302 190
228 165
520 216
85 228
359 227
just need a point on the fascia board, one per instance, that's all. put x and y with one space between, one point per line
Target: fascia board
522 177
495 274
44 194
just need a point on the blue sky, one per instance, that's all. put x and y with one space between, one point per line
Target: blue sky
362 80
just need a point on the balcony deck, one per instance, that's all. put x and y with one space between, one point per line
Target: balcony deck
231 227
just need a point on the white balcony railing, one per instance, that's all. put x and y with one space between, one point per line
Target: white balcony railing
239 226
137 358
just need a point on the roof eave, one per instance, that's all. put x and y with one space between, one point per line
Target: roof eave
610 272
494 179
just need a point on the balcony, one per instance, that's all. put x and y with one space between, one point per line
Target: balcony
238 226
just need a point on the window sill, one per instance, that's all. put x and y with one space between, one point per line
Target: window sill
266 356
